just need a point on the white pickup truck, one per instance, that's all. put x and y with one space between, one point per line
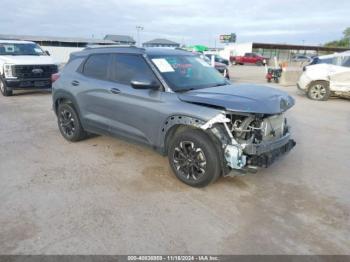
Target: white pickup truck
330 76
24 65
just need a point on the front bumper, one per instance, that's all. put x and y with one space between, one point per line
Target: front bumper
264 154
267 146
37 83
266 159
303 82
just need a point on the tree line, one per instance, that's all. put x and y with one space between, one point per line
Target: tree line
344 42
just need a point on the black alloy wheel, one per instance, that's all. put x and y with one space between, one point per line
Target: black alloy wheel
189 160
194 158
69 123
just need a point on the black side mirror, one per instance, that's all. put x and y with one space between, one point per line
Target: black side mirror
144 84
47 52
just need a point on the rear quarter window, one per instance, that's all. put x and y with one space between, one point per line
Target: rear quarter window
96 66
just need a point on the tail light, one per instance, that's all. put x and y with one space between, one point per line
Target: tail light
55 77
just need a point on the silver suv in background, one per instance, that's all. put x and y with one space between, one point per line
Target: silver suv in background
176 103
329 77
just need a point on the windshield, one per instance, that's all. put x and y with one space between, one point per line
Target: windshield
20 49
183 73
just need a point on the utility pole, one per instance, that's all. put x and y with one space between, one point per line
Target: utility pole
138 29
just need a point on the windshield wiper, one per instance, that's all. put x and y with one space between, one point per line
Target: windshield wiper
220 84
185 90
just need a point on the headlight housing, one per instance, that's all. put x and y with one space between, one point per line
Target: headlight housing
8 71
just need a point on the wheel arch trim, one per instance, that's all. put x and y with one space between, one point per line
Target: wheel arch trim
173 122
62 95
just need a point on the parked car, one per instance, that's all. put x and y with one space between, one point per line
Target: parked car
249 58
24 65
325 59
320 81
301 58
222 68
218 59
174 102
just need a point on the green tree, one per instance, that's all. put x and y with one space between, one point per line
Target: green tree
344 42
347 33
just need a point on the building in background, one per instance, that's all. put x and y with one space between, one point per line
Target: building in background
59 47
160 42
283 52
121 39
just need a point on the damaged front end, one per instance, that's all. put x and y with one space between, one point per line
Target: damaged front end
250 141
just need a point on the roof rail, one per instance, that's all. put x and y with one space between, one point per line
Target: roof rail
110 46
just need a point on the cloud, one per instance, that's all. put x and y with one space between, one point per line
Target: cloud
189 21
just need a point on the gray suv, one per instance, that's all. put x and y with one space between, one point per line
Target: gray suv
174 102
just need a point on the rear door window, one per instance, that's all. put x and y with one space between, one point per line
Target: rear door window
96 66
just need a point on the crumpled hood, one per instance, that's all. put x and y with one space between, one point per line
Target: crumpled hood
242 98
28 60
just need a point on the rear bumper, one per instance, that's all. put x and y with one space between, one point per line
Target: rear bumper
37 83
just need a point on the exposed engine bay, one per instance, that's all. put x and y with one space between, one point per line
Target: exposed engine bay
251 140
255 129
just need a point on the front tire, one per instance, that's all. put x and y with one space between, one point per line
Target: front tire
4 90
194 158
319 91
69 123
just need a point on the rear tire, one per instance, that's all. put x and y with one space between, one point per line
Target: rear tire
69 123
194 158
259 63
319 91
4 90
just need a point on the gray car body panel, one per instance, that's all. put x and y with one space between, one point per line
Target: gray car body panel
242 98
143 115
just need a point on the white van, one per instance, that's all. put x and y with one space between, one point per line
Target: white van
321 80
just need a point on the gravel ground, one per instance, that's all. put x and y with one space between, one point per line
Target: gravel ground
107 196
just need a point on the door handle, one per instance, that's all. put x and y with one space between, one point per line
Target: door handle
75 83
115 90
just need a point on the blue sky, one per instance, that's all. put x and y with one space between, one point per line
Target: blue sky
184 21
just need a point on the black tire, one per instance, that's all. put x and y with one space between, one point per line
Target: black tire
194 158
4 90
69 123
259 63
319 91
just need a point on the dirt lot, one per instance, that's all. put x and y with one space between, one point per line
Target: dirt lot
106 196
